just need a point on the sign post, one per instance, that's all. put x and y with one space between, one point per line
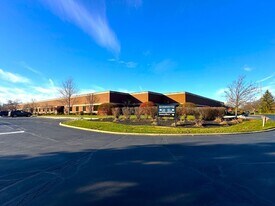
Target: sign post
167 110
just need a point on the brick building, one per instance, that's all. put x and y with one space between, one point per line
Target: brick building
90 102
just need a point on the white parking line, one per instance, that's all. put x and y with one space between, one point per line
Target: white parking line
17 132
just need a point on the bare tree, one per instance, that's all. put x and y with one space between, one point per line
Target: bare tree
91 100
251 106
33 106
240 92
12 105
67 90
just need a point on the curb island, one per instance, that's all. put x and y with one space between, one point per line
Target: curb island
157 134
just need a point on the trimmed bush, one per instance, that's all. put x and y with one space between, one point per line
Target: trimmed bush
153 111
116 112
146 108
188 104
147 104
211 113
126 111
105 109
138 112
179 111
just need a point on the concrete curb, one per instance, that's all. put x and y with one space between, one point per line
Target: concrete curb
157 134
72 118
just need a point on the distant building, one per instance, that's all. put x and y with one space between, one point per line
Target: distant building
83 103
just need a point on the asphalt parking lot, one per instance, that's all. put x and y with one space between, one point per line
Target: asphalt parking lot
42 163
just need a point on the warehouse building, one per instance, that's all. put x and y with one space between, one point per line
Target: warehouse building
88 103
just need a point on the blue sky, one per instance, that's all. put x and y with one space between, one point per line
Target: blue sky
134 45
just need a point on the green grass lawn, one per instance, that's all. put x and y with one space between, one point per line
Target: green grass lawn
77 116
246 126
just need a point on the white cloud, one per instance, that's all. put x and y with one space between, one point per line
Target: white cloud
128 64
43 90
221 91
26 66
11 77
86 91
93 22
26 94
164 65
131 64
248 69
98 88
220 94
270 88
125 90
266 78
28 91
51 83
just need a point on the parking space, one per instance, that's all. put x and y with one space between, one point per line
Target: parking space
8 128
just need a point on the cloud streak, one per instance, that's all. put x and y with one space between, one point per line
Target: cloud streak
248 69
11 77
265 79
93 22
128 64
26 66
164 65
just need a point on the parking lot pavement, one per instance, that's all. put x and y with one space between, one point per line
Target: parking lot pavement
52 165
8 128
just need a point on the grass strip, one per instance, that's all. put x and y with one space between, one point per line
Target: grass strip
246 126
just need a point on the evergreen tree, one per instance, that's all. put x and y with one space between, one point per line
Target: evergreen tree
267 102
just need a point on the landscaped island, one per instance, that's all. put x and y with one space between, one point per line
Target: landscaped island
241 126
188 119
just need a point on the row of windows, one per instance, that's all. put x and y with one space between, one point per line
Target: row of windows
77 109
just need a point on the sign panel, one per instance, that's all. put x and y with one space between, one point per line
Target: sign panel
167 110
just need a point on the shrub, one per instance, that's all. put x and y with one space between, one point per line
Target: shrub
116 112
220 111
206 113
147 104
153 111
198 116
188 104
146 107
218 120
126 111
211 113
105 109
138 112
179 111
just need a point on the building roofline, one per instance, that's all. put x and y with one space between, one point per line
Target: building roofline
142 92
203 97
78 95
125 93
171 93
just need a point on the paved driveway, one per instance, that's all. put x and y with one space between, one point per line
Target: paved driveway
44 164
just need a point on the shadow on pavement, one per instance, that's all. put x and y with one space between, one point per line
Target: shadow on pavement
169 174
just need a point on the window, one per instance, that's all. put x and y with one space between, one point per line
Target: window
96 107
71 109
84 108
77 108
